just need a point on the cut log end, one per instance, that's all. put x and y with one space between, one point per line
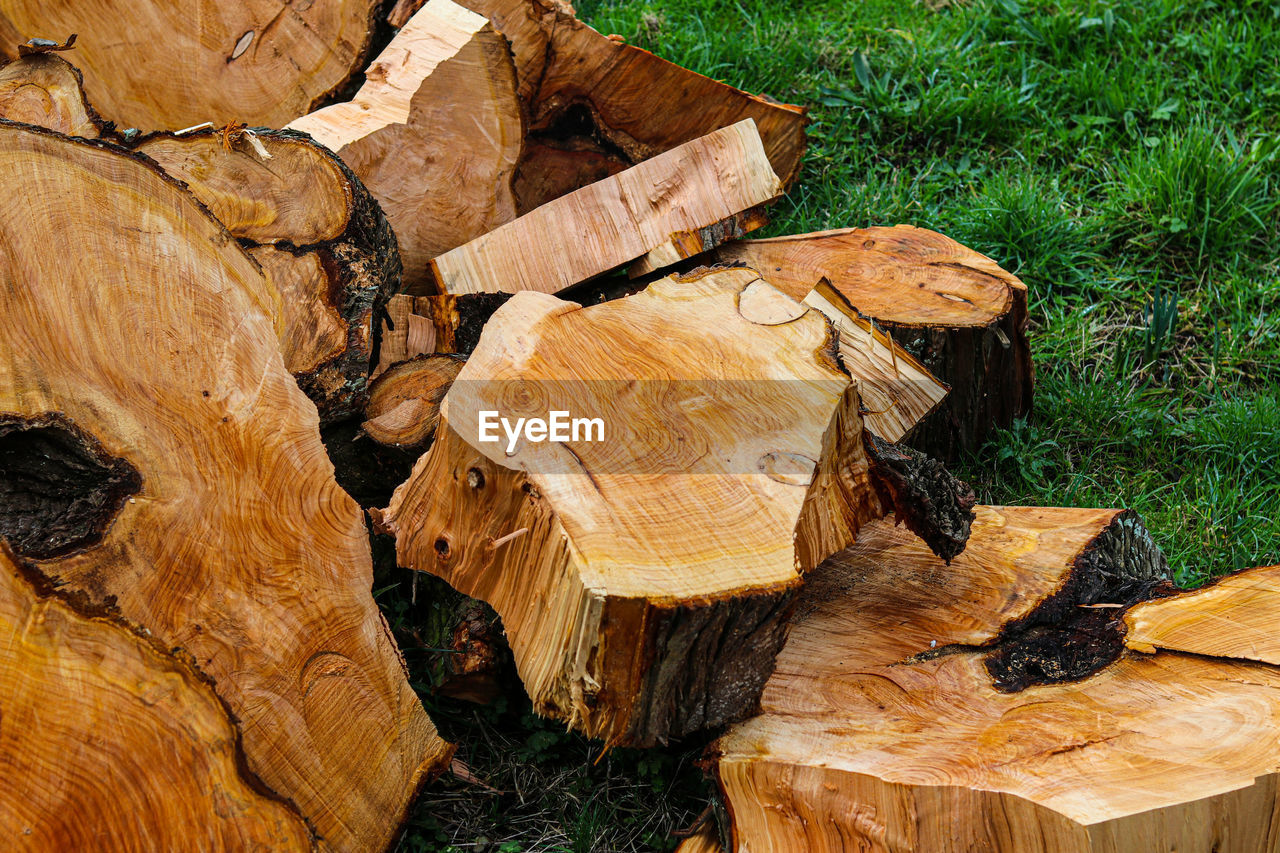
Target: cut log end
319 236
183 477
80 681
236 65
882 719
653 623
957 313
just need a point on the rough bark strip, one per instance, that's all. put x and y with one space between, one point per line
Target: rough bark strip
59 488
925 496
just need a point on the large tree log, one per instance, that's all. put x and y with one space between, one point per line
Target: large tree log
1237 616
308 221
46 90
173 65
161 456
434 133
894 720
597 106
955 310
319 236
647 595
111 743
644 579
679 203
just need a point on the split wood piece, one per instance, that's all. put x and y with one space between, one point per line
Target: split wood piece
956 311
598 106
1237 616
705 840
404 402
319 236
435 133
46 90
682 202
163 66
444 323
888 733
898 392
162 457
110 742
644 580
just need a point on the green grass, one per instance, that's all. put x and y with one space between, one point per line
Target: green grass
1123 158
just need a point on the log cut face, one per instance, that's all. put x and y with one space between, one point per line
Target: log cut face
885 727
644 580
435 133
1237 616
319 236
674 206
956 311
202 500
110 742
597 106
173 65
47 91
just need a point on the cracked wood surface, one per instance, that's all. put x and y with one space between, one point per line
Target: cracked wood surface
165 66
646 591
237 545
881 729
673 206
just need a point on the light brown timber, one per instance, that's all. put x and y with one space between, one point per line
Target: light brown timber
673 206
161 457
644 580
961 315
166 66
111 742
319 236
891 734
435 133
1237 616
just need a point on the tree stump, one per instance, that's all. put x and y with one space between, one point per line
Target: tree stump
991 705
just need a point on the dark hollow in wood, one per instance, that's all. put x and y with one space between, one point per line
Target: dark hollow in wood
59 488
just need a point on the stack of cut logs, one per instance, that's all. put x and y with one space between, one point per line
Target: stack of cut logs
246 299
